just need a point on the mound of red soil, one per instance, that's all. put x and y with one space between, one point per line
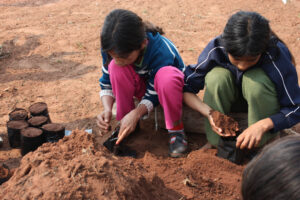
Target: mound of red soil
212 177
77 167
74 169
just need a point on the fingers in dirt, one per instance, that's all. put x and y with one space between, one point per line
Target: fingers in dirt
122 135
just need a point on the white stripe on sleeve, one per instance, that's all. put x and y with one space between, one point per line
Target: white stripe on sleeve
203 61
285 88
104 70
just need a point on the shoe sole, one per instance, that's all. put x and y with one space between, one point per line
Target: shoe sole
177 155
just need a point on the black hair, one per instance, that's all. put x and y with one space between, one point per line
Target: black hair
248 34
275 173
124 31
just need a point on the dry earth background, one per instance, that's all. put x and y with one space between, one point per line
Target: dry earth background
55 58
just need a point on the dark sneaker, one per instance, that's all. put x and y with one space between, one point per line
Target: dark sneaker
178 144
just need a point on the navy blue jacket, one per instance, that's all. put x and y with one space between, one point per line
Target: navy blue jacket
159 52
276 62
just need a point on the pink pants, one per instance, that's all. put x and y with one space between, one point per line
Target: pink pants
168 83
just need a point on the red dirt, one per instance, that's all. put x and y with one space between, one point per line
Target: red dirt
77 167
38 108
53 56
37 121
53 127
31 132
4 172
226 123
17 125
18 114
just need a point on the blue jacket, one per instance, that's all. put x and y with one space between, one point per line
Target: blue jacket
159 52
276 62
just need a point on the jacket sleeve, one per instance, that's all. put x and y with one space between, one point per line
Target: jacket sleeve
194 74
105 84
288 91
286 118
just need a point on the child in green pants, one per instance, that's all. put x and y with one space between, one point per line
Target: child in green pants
247 68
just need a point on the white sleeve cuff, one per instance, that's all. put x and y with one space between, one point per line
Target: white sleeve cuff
149 106
106 93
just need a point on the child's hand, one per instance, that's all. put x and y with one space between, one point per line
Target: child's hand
216 129
222 124
128 124
251 137
103 120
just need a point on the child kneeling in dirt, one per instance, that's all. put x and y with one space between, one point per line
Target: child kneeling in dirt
139 62
247 68
274 173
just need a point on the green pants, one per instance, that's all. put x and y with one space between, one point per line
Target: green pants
257 95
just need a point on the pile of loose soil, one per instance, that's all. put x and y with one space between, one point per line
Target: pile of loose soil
213 177
78 167
74 169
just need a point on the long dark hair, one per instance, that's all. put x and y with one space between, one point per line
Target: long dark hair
274 174
248 34
124 31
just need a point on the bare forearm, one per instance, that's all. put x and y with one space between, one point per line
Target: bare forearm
107 102
140 111
193 101
266 124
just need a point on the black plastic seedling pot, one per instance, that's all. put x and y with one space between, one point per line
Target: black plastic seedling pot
39 108
13 130
38 121
53 132
227 149
118 150
18 114
31 139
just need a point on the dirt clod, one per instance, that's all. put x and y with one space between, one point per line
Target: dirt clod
226 123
